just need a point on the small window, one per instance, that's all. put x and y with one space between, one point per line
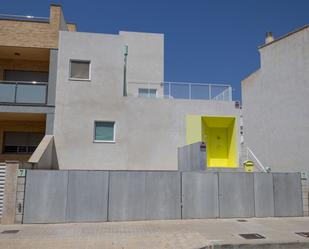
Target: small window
104 131
79 70
145 92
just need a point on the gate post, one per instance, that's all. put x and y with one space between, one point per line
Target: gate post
10 188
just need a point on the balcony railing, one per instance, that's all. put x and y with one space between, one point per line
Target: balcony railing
24 18
182 90
23 92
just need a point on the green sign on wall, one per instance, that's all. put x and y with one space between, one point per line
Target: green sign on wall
21 172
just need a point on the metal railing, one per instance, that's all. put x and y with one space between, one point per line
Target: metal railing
23 92
247 154
24 18
182 90
257 162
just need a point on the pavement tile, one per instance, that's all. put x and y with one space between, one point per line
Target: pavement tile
152 234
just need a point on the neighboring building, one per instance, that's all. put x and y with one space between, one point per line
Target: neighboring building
107 106
28 64
276 103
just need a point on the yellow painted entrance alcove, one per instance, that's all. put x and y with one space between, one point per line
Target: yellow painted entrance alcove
219 135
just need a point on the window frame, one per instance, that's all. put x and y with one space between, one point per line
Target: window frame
104 141
70 68
149 95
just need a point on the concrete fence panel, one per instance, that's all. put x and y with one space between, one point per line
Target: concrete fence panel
263 195
87 196
53 196
163 195
127 196
200 195
236 195
45 196
287 194
191 157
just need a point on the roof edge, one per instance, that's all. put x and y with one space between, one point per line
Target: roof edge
284 36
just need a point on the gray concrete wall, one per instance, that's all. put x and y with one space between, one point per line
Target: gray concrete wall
144 196
89 196
46 196
263 195
65 196
236 195
148 131
163 190
191 157
287 193
275 100
145 61
200 192
127 196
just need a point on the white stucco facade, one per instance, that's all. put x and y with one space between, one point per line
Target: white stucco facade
275 104
148 131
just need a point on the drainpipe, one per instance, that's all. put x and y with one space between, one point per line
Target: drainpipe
125 72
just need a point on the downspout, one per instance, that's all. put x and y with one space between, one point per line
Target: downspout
125 72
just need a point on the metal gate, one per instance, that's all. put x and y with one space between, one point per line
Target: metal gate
2 180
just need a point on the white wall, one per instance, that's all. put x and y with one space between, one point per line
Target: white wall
276 104
148 131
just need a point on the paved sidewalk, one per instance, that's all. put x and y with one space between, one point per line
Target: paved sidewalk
156 234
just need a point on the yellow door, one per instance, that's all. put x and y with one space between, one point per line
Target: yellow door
217 147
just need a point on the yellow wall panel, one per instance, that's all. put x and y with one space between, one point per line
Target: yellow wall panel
193 129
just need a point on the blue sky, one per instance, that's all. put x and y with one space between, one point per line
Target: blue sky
211 41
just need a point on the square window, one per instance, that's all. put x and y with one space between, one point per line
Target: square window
147 92
79 70
104 131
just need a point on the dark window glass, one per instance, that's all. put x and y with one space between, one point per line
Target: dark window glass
21 142
10 149
31 149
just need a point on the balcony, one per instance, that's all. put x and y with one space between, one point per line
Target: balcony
23 92
24 18
180 90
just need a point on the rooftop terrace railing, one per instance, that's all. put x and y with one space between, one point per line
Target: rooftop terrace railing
23 92
23 18
181 90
